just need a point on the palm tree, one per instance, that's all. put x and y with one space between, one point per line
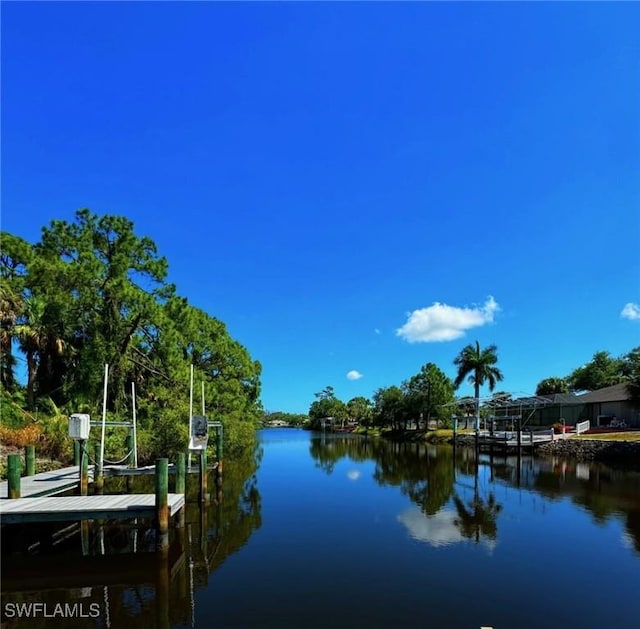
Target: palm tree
10 307
37 340
549 386
479 366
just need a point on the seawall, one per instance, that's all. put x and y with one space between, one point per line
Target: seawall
593 449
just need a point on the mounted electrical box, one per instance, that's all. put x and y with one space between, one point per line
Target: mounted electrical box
199 433
79 424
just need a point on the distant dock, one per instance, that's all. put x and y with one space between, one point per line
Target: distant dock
510 439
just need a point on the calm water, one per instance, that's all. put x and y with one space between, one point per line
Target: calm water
341 531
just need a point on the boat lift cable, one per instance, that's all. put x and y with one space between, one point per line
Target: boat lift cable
122 460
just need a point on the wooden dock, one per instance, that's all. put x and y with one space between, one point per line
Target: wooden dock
68 508
508 439
46 483
66 478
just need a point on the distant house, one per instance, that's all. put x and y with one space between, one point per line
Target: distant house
603 405
599 407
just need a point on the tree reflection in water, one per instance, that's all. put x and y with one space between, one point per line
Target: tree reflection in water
117 567
478 518
427 475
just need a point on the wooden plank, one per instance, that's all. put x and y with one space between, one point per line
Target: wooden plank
52 509
46 483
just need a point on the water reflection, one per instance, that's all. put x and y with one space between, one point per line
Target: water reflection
351 521
114 570
455 492
437 530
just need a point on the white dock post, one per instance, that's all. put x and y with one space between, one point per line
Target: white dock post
104 416
135 434
190 411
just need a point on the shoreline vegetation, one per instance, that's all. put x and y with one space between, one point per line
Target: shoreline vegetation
92 292
623 447
614 446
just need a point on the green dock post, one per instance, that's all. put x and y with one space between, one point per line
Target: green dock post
162 500
84 468
181 468
98 478
14 468
76 453
129 447
203 475
130 459
30 460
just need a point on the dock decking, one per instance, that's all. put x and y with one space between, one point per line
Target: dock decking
46 483
509 439
66 508
59 481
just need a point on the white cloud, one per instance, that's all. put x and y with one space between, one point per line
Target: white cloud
354 375
353 474
440 322
631 311
377 331
436 530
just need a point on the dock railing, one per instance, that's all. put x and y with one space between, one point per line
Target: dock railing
583 427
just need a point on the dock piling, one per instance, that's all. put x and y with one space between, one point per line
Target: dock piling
531 439
162 500
98 478
203 475
130 451
181 467
130 459
84 468
14 467
30 460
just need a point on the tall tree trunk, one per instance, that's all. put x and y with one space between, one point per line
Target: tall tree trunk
31 379
477 395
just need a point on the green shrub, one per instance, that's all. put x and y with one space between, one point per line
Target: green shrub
55 442
169 435
11 413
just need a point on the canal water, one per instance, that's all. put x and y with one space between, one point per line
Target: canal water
343 531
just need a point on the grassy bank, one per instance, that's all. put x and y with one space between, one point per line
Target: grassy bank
611 436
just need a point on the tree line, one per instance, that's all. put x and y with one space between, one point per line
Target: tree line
426 396
430 394
603 370
91 292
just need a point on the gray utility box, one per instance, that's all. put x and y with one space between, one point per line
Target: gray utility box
199 433
79 424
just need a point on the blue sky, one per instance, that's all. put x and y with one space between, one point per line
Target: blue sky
321 175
